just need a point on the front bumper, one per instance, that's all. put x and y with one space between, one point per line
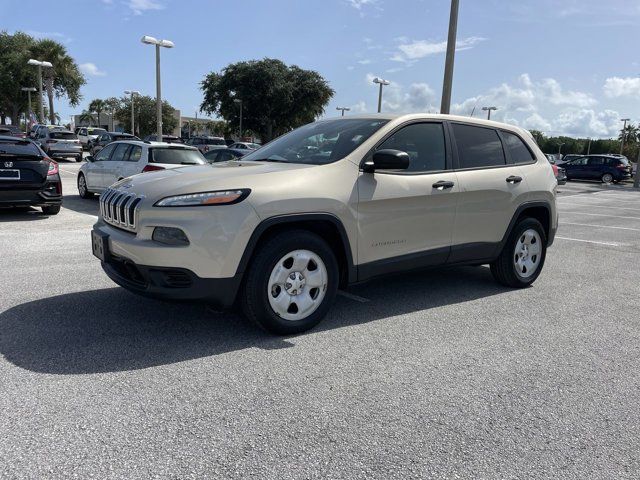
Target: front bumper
167 283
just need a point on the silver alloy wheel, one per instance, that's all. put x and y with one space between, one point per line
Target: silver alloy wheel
526 257
297 285
607 178
82 186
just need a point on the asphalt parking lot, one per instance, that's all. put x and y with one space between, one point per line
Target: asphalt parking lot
437 374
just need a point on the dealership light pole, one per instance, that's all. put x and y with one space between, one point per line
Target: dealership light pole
343 109
488 110
624 132
447 82
40 64
560 151
382 83
238 101
28 119
158 43
133 93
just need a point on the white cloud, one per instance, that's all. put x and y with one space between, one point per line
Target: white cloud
138 7
366 61
411 51
615 87
358 4
91 69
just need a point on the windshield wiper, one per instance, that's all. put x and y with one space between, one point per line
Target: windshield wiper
275 160
189 163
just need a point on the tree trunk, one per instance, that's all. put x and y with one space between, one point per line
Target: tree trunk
52 115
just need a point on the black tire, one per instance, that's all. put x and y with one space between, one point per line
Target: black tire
605 178
504 270
51 210
253 298
83 193
79 158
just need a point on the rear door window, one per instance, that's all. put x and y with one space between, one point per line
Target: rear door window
595 161
120 153
518 151
135 153
478 147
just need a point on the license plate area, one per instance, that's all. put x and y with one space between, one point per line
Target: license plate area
100 245
9 174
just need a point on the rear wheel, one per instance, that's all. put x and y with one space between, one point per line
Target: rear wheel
607 178
79 158
291 283
522 257
82 187
51 210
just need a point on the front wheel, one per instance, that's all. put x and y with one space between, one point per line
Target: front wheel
291 283
522 256
82 187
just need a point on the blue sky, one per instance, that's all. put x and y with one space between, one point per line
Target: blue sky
568 66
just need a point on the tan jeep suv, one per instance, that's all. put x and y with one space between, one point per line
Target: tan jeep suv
332 203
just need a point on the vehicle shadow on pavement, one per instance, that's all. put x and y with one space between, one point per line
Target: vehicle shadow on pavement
21 214
88 206
112 330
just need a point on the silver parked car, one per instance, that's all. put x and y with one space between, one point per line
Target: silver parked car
59 143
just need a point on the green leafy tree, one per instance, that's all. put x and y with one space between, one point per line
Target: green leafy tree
97 106
64 79
275 97
145 115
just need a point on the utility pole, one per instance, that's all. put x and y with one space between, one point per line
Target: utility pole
488 110
344 109
28 118
589 147
560 151
624 132
238 101
445 105
636 178
381 82
166 44
132 93
40 64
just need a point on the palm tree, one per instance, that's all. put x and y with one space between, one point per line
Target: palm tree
63 77
97 105
86 116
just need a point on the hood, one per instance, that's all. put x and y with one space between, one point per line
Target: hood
205 178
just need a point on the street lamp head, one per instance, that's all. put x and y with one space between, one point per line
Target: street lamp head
29 89
38 63
346 109
149 40
381 81
237 100
47 64
489 108
131 92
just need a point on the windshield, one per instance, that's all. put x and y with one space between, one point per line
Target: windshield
318 143
97 131
177 156
18 148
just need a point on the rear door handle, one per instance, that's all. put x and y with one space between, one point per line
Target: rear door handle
442 185
514 179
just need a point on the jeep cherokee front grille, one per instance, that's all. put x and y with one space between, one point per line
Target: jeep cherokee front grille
119 208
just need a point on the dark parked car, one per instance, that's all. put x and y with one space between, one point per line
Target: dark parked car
165 138
606 168
28 177
205 144
224 154
12 130
109 137
568 157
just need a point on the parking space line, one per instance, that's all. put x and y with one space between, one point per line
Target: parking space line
608 244
603 206
67 171
600 215
601 226
351 296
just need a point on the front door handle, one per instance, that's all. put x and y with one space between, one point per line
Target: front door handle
442 185
514 179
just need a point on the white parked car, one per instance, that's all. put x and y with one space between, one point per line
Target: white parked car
119 160
245 145
87 135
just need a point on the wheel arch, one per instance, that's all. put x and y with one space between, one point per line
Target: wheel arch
541 211
325 225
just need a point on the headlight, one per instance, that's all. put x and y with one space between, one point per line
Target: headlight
223 197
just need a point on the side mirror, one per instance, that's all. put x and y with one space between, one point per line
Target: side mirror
90 158
387 159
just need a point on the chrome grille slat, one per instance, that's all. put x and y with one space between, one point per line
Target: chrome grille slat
119 208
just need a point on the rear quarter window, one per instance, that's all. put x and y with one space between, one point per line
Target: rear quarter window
176 156
518 150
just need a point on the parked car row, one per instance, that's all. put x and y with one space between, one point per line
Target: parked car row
609 168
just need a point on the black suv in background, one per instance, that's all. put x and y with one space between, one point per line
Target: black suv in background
28 177
106 138
606 168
